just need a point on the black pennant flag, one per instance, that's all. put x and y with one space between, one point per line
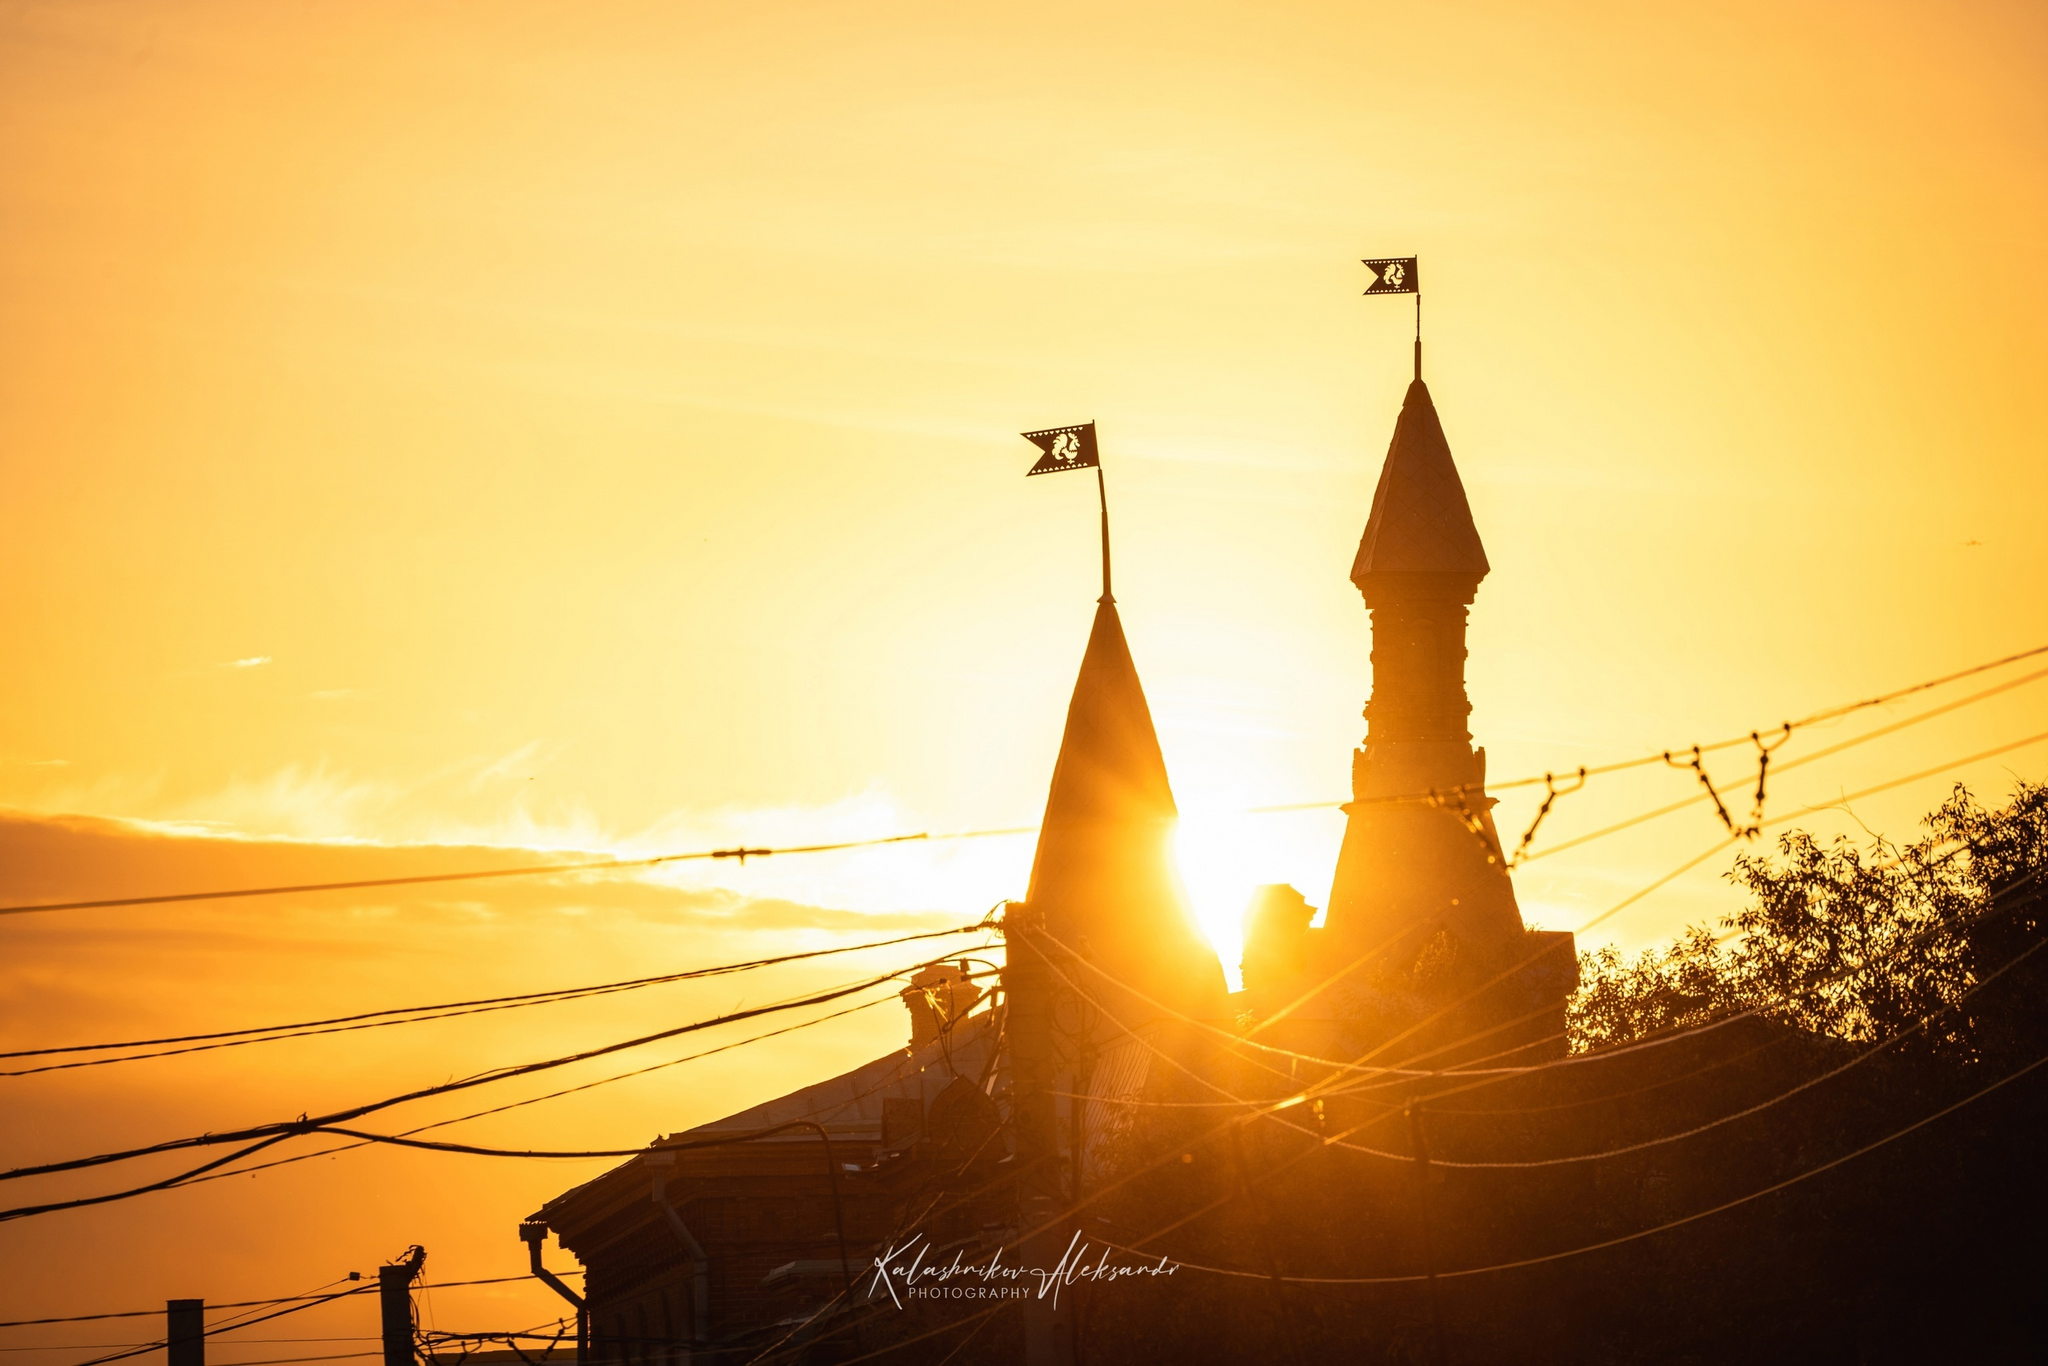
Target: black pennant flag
1066 448
1395 275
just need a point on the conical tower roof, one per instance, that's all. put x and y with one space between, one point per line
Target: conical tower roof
1104 876
1420 520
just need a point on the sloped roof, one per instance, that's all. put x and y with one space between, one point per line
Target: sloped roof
850 1107
1420 520
852 1102
1110 766
1104 875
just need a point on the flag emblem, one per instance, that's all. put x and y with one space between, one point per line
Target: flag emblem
1395 275
1064 448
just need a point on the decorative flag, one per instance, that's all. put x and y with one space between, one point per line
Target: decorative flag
1066 448
1395 275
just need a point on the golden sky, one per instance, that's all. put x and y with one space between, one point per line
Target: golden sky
593 426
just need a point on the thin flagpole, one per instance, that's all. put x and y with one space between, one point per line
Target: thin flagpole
1418 332
1102 491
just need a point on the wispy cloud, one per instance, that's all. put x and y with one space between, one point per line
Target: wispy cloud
485 800
252 662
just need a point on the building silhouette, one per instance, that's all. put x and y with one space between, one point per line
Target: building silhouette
1422 911
1006 1104
990 1116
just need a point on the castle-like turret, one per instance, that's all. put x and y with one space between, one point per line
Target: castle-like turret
1420 853
1104 881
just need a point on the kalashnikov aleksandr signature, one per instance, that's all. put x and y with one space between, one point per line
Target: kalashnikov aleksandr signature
905 1273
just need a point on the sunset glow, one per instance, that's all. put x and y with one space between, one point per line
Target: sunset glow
432 434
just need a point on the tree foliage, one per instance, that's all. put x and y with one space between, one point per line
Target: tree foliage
1857 943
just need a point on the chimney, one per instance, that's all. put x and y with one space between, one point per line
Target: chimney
936 997
1275 938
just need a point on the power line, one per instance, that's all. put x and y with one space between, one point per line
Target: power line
1886 786
95 1346
1830 714
828 1106
265 1135
567 1091
243 1304
552 1095
953 1326
1385 944
312 1302
475 1150
276 1133
417 1014
240 1321
1785 767
1696 1130
1272 1108
742 853
1390 941
364 1139
1628 1237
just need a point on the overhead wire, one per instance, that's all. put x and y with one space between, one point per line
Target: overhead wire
1621 766
244 1304
1387 944
1693 1132
554 1095
216 1330
404 1140
1392 1076
1807 1085
1839 802
830 1106
939 1203
1869 791
265 1135
1781 768
1314 1091
1639 1234
571 1090
241 1321
95 1346
281 1361
1831 714
1328 1087
416 1014
742 853
535 870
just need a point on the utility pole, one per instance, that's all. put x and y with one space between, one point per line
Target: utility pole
1436 1309
394 1299
1034 1063
186 1332
1262 1217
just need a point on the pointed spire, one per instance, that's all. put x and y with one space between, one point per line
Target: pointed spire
1104 875
1420 520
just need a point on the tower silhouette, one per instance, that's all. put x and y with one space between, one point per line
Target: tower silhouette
1422 920
1104 878
1412 864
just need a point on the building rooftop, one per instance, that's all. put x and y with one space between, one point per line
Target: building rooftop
1420 523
